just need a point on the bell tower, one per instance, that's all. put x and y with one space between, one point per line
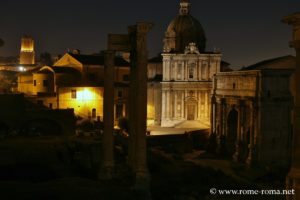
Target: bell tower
27 54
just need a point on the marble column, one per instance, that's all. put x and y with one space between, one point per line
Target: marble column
108 116
293 178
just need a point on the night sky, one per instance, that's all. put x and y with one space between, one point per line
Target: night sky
245 31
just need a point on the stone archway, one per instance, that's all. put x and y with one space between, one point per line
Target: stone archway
232 131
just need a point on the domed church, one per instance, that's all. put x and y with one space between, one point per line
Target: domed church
187 72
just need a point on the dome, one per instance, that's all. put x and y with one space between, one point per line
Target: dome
184 29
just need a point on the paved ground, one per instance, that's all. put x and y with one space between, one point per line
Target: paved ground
179 129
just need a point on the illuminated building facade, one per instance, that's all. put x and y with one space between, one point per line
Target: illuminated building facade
187 71
27 54
76 81
251 115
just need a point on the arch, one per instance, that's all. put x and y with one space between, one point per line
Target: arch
232 131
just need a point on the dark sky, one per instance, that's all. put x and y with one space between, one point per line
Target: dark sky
245 31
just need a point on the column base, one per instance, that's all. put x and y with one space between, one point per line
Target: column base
142 185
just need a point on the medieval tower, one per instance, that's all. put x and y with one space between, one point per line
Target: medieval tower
27 54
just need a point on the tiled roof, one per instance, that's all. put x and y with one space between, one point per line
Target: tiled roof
98 60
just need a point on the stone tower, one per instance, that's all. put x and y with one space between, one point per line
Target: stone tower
27 54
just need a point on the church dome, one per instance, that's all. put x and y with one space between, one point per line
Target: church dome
184 29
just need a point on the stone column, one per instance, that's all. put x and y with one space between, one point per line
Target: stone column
200 99
175 103
182 103
186 70
253 115
108 116
213 115
293 178
138 92
163 104
200 69
237 154
167 109
222 136
224 117
171 103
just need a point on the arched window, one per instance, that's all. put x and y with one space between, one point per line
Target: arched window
191 73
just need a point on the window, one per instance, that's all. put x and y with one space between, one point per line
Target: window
191 68
191 73
94 113
45 83
34 82
73 94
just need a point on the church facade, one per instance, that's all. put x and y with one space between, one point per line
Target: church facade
187 71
